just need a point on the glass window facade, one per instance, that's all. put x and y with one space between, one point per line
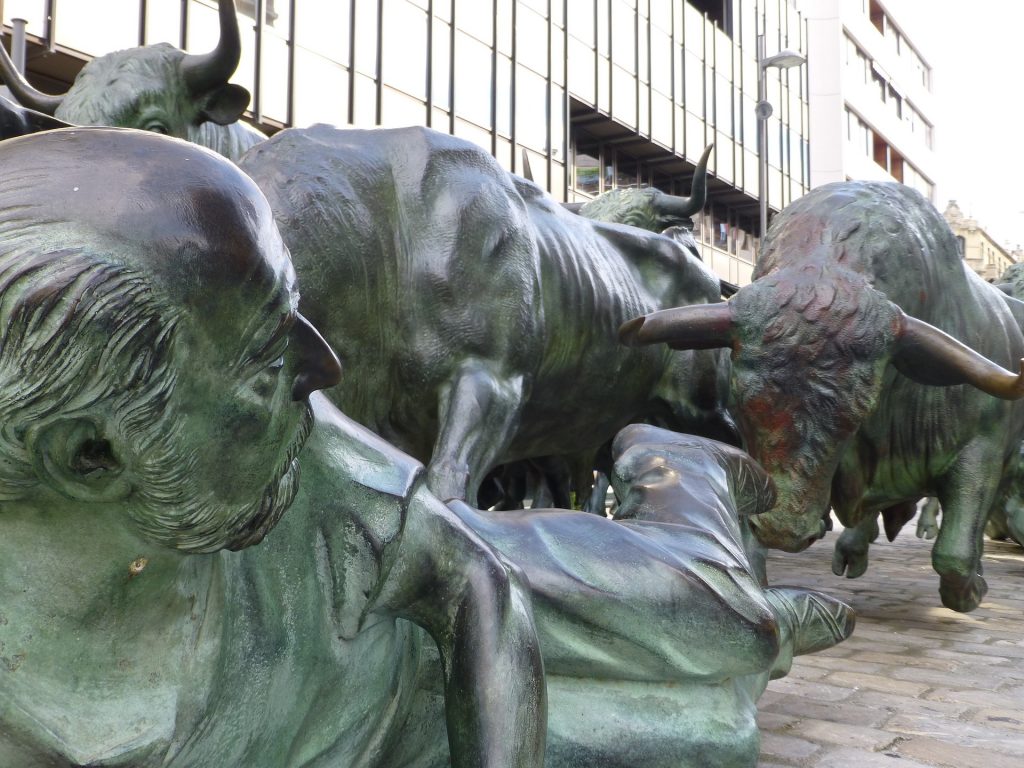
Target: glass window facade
600 93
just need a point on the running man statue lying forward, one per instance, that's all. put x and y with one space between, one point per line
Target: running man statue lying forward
172 597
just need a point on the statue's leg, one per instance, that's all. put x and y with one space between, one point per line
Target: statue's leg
966 492
635 600
667 590
479 413
851 552
928 521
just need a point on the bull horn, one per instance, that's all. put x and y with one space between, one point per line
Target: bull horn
527 171
701 326
26 95
16 120
927 355
685 207
205 72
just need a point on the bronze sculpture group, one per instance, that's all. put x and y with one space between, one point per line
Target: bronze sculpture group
230 568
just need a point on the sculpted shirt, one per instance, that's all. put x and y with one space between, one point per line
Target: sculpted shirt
308 676
251 658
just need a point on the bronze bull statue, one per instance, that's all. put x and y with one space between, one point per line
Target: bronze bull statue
869 368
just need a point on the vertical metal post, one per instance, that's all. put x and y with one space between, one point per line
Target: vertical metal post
352 61
378 75
430 63
291 62
257 75
50 25
143 12
183 43
762 139
18 44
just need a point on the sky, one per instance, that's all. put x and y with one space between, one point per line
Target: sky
976 50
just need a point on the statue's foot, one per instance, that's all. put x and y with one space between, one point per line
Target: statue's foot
849 559
962 594
816 621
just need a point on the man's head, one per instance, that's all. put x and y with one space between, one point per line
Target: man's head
151 354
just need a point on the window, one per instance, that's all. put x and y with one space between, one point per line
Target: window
719 12
719 227
877 16
587 170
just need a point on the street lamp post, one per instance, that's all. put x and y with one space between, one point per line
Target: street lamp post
781 60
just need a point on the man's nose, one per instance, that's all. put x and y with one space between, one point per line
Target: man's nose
317 365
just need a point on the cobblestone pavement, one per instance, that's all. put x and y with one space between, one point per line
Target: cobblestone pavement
917 684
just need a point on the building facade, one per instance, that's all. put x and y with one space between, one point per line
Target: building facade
594 94
982 254
870 97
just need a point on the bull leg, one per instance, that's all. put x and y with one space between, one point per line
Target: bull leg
595 501
851 552
967 493
896 516
928 522
479 414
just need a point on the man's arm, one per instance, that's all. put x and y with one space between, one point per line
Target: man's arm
476 607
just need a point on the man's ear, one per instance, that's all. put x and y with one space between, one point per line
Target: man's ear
74 457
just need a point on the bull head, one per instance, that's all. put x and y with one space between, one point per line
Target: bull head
650 208
203 79
808 361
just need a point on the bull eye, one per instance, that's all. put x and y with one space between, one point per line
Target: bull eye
157 128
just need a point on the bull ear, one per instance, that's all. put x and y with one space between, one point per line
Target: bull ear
927 355
226 104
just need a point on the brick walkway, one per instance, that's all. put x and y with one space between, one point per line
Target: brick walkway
917 684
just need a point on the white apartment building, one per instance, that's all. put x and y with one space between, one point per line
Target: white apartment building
870 97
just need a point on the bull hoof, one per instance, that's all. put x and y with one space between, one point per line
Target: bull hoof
927 529
960 594
849 561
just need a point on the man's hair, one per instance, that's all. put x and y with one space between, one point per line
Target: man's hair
80 333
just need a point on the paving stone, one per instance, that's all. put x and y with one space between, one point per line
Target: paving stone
843 735
967 658
1015 693
1006 650
945 754
900 660
813 690
775 746
809 671
859 758
940 711
799 708
977 698
968 734
986 680
1009 719
877 683
917 685
775 721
